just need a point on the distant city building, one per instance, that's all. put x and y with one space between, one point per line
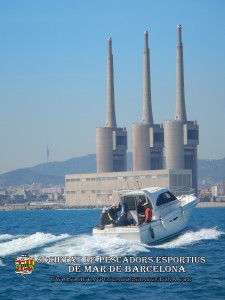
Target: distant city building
214 191
29 194
179 137
224 187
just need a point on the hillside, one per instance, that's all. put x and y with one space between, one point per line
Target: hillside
211 169
28 176
49 173
54 172
79 165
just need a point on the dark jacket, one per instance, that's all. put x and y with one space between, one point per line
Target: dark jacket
140 208
112 213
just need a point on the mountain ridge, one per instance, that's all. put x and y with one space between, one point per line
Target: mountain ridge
53 173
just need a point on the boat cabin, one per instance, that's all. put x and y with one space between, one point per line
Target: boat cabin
157 198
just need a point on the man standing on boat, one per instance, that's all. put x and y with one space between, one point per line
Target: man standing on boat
141 211
148 213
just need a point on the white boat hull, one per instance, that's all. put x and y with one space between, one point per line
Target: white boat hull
169 225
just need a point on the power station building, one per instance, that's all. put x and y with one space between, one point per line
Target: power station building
177 141
111 142
147 137
181 136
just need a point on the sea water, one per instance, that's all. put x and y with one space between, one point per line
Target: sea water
188 266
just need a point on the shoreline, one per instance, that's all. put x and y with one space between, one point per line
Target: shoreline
210 204
65 207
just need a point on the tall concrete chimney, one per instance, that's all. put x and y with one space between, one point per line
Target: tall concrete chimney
147 117
111 141
180 96
141 132
110 109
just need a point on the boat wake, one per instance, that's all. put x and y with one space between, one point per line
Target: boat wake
191 237
18 243
47 244
1 263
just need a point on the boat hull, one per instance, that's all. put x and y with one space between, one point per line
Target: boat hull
155 231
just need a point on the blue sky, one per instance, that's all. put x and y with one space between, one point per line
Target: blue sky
53 72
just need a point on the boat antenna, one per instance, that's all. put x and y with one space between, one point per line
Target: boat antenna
138 185
127 183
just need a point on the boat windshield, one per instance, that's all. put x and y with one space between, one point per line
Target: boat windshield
164 198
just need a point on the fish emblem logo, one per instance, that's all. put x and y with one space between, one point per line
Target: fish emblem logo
24 264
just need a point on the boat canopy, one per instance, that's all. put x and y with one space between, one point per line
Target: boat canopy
156 197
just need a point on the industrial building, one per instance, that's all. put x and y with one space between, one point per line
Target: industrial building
177 141
111 142
147 137
101 188
181 136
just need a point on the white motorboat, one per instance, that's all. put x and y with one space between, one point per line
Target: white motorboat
170 216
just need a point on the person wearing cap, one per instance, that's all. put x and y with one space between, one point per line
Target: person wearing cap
148 213
112 213
141 210
140 206
104 218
